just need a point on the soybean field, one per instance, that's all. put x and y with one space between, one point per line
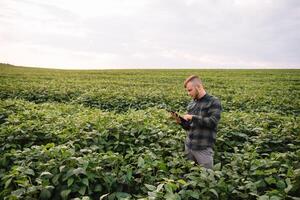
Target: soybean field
106 134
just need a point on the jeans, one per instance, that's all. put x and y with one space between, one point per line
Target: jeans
203 157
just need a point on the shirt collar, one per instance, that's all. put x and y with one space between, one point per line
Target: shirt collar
202 98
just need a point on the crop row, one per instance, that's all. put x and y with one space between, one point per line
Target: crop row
119 90
54 150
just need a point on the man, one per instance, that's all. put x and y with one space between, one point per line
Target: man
204 113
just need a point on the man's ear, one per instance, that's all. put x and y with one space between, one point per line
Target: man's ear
198 88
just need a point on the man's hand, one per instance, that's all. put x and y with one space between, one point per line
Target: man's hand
188 117
174 116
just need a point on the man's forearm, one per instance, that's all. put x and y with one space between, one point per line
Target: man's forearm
210 122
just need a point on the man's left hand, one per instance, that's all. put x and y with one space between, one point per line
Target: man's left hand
188 117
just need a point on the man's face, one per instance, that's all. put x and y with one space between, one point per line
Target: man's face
192 90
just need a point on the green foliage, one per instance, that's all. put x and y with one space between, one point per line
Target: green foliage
107 135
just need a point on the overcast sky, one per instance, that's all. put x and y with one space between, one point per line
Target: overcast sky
150 33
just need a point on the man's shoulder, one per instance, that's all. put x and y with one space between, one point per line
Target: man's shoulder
213 98
215 102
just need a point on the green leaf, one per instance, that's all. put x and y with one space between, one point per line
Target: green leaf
159 187
217 167
162 166
194 194
55 179
45 194
98 188
263 197
61 168
150 187
289 185
169 187
103 196
152 195
141 162
270 180
70 181
7 183
50 187
297 172
46 174
29 172
259 172
122 195
280 184
18 193
129 174
171 196
270 171
68 174
3 161
275 198
82 190
64 194
260 184
32 189
214 192
85 181
182 181
79 170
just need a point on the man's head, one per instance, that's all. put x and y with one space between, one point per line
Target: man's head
194 87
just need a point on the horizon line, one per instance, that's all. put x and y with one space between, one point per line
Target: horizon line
149 68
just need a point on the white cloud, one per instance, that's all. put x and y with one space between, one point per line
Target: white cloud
145 33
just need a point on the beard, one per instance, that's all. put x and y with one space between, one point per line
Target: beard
197 94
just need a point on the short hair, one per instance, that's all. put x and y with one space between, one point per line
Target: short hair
194 79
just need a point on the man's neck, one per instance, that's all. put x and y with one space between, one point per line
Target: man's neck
201 95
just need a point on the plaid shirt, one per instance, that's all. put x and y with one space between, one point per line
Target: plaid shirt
202 129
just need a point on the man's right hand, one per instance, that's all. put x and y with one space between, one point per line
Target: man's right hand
174 116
